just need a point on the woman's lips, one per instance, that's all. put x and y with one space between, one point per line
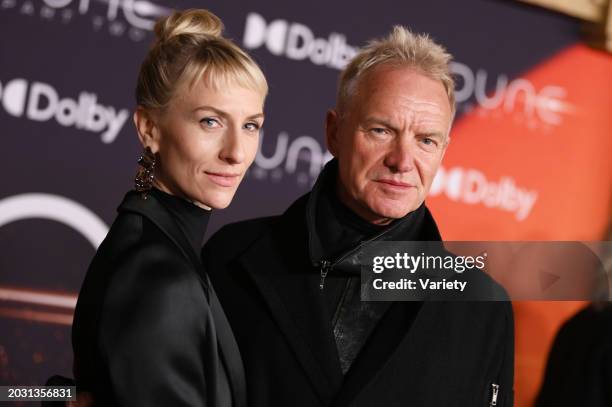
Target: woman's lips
223 179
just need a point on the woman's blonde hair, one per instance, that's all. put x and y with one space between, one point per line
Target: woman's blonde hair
189 47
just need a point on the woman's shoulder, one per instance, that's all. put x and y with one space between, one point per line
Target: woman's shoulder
137 256
138 278
132 233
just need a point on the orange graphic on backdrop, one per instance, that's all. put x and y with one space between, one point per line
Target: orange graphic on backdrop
552 150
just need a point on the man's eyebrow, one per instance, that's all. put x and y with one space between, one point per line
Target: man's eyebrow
431 134
379 120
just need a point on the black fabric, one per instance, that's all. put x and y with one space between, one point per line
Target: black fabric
339 230
191 219
579 370
148 328
432 353
353 322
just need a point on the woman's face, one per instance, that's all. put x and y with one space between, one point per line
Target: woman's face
204 142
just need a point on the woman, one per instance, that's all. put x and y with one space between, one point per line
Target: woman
148 328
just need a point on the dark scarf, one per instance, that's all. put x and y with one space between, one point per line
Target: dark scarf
334 233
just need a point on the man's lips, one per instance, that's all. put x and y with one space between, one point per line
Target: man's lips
224 179
394 183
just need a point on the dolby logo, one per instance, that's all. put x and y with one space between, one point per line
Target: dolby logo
40 102
472 187
296 41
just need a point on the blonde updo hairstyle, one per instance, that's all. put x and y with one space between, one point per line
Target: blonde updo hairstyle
189 47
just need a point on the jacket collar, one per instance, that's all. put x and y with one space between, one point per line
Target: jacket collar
417 225
148 206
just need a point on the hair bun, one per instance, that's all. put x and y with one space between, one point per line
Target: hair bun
189 22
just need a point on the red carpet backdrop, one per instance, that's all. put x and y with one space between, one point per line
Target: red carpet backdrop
530 156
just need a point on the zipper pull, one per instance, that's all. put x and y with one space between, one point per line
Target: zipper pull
494 394
325 267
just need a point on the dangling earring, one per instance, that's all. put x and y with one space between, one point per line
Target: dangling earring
144 178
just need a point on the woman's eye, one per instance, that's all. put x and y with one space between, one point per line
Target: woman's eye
252 126
210 122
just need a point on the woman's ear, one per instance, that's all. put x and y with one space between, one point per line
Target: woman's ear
147 128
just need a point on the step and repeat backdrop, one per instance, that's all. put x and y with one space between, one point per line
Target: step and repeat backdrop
530 157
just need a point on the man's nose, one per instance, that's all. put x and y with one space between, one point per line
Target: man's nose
232 150
400 157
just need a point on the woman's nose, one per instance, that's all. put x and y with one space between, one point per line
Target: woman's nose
232 151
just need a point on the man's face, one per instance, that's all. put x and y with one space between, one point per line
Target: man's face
389 141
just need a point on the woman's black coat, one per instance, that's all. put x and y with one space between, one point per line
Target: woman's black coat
148 328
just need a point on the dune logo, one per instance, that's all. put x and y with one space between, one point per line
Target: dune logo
471 187
40 102
296 41
546 104
119 17
57 208
287 156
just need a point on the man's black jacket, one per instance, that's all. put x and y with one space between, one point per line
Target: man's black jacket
420 353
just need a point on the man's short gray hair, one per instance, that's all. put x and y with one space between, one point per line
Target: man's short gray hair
400 48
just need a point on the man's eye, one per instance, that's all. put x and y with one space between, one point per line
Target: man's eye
379 131
252 126
210 122
428 141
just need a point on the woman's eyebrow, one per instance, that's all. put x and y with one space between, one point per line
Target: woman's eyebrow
223 113
256 116
212 109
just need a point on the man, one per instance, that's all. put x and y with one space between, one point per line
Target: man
290 284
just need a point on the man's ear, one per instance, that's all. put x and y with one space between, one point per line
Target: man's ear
147 128
331 131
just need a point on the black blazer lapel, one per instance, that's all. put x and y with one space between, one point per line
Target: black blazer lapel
295 303
389 334
229 351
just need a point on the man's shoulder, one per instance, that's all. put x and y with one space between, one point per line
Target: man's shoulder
235 238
